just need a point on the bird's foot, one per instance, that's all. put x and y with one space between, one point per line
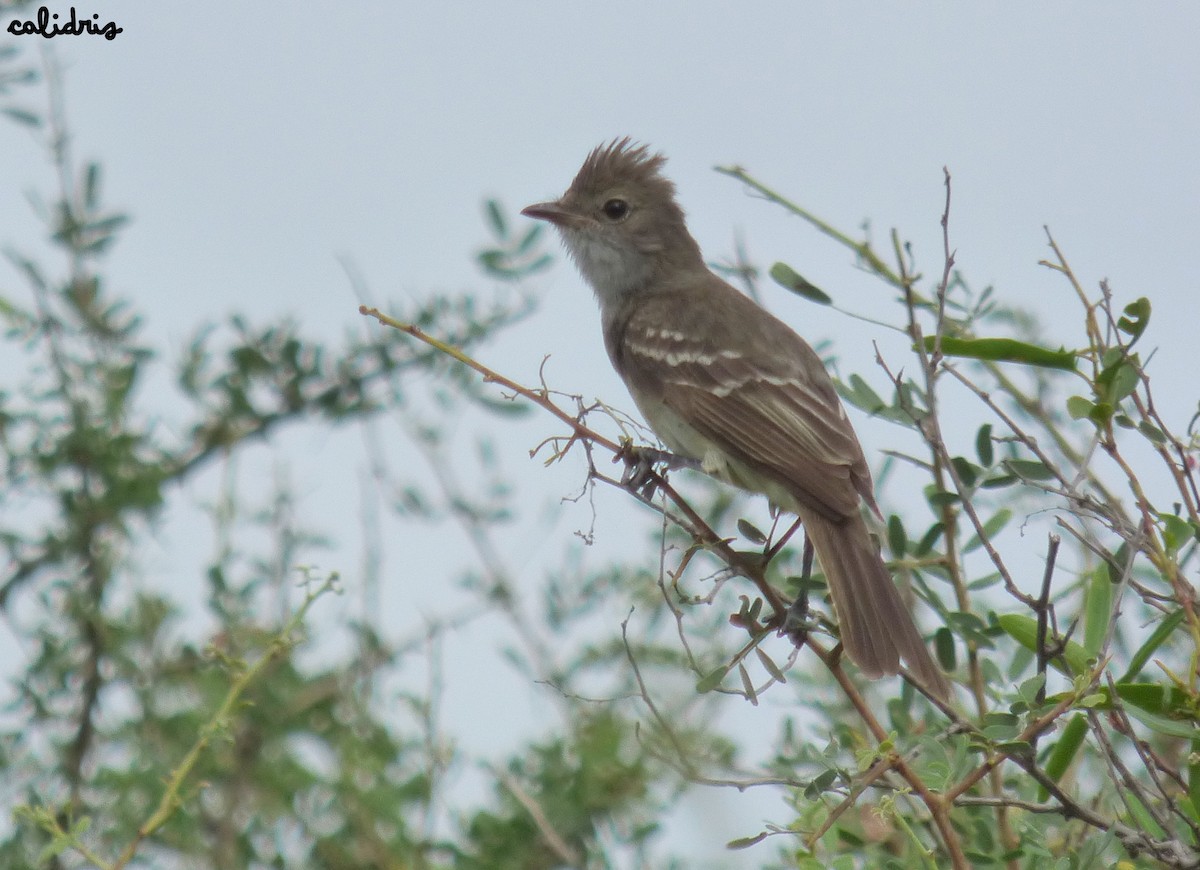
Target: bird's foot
640 466
797 622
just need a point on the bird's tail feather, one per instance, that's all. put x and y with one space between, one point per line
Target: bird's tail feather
876 626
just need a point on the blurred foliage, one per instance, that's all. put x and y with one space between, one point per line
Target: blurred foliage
124 743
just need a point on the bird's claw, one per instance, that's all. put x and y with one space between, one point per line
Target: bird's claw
640 461
797 621
639 473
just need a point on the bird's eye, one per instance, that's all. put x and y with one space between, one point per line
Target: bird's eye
616 209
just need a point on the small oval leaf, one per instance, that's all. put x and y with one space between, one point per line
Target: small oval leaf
788 278
983 445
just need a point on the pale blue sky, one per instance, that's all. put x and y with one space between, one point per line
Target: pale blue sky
254 145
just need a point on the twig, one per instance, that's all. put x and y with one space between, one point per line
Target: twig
168 803
695 523
862 249
551 837
943 285
1042 609
936 804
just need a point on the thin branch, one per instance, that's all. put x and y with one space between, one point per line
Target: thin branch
1042 609
695 523
170 800
541 821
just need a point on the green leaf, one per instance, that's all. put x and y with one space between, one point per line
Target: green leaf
747 684
1143 819
769 664
1029 469
999 480
495 218
985 582
1193 777
91 185
1162 709
1004 350
864 397
991 528
848 837
1023 629
820 783
969 627
747 842
929 539
1118 380
909 405
1176 531
1125 380
1136 319
983 445
540 263
21 116
711 680
897 539
788 278
1016 747
1116 563
1151 697
1065 750
1152 433
940 498
527 240
1157 637
967 472
1028 690
1020 628
751 532
943 646
1079 408
999 725
1097 611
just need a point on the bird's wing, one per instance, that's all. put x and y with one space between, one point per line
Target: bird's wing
768 404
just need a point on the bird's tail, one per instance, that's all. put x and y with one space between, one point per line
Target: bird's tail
876 626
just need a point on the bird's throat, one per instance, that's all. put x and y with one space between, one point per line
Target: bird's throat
613 270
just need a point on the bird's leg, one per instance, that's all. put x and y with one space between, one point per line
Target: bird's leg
796 623
640 462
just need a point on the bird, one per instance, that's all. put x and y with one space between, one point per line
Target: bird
725 383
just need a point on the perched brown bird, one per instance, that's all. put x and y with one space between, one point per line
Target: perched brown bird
724 382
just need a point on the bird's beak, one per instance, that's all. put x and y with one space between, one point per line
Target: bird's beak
549 211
